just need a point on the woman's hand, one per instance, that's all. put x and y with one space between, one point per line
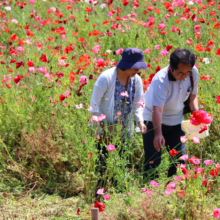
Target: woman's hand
143 127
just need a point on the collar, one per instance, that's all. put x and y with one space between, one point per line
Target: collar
170 76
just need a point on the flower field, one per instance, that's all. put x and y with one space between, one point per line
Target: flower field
51 54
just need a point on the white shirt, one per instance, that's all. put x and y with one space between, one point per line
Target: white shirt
102 99
169 94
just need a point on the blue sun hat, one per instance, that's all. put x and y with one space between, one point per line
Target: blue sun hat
132 58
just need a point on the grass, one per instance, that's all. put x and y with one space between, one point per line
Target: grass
47 154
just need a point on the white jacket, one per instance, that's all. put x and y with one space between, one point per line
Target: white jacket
102 99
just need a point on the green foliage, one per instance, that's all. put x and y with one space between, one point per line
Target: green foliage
46 146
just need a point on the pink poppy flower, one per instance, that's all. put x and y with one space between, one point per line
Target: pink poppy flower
163 52
194 160
216 213
182 166
124 94
8 8
154 183
94 118
117 115
110 14
169 191
67 93
79 106
42 69
197 28
161 26
90 108
106 197
110 147
141 103
183 139
31 2
20 49
31 69
14 21
208 162
178 178
157 47
184 157
196 140
101 117
83 79
147 50
119 51
100 191
62 62
96 49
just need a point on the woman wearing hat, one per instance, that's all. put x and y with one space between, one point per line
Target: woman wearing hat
107 97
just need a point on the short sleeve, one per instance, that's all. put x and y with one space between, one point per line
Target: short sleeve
195 80
160 91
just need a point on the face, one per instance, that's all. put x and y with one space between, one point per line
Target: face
131 72
183 71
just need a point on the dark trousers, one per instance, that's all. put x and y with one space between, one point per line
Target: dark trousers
153 157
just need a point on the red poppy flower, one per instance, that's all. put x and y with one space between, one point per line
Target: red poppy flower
203 128
88 9
20 42
13 52
30 63
59 14
17 79
19 64
13 37
214 172
62 97
100 206
29 33
43 58
194 160
95 32
13 61
212 13
26 27
105 22
81 40
173 152
157 69
125 2
167 5
218 99
150 8
60 30
169 47
218 52
78 211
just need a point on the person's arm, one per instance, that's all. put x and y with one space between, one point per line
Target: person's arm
99 90
138 108
160 92
193 103
159 140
